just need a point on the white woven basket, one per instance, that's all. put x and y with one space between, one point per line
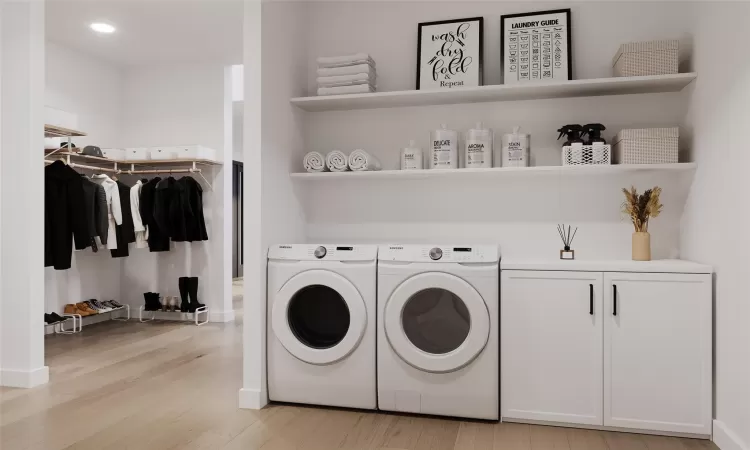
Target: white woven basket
647 146
646 58
586 155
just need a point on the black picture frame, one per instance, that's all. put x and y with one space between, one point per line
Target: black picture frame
445 22
569 40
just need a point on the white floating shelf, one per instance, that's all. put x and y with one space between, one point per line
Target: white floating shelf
498 93
495 172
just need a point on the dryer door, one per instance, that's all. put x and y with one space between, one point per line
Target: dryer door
319 316
436 322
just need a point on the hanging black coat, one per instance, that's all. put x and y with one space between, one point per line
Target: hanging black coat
64 215
189 223
158 240
95 202
125 233
166 205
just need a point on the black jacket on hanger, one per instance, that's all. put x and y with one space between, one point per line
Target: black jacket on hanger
125 232
158 240
166 205
102 214
188 223
64 215
95 202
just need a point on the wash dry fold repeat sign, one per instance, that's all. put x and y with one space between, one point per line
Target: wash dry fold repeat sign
449 54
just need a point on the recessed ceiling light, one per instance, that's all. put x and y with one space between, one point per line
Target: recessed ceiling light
100 27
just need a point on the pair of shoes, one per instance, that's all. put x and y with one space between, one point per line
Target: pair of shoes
152 301
170 304
99 306
111 304
115 304
189 293
80 309
49 319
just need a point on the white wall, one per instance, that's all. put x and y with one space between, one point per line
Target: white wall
87 87
487 211
183 105
93 91
238 119
272 140
716 222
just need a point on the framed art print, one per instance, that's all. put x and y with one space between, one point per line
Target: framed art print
536 46
449 54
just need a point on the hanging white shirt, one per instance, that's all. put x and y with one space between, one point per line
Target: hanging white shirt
141 234
114 211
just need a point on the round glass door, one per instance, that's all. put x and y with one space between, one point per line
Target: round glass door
436 322
319 316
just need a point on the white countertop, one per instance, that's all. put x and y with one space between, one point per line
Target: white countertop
656 266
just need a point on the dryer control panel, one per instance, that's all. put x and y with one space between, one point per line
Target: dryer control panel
316 252
439 253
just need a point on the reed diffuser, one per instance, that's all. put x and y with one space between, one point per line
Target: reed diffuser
567 238
640 209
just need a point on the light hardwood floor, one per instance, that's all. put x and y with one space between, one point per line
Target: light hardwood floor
166 385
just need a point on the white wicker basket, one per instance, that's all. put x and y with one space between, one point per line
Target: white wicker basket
586 155
647 146
646 58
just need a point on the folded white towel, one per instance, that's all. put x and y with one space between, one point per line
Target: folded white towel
338 80
357 89
337 161
348 70
360 160
345 60
347 83
315 162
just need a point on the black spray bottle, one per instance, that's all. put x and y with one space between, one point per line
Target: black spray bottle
574 133
598 154
594 130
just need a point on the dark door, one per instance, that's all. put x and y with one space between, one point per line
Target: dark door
237 219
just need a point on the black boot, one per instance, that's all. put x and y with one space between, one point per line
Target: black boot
152 301
147 301
183 283
193 290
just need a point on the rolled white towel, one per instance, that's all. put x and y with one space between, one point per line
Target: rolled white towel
337 161
347 70
315 162
345 60
360 160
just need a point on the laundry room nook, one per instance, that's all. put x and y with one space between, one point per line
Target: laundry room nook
546 198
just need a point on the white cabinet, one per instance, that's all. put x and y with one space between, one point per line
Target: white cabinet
551 346
657 352
612 349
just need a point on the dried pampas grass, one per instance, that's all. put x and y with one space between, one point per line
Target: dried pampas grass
641 208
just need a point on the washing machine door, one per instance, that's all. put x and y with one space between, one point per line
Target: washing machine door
436 322
319 317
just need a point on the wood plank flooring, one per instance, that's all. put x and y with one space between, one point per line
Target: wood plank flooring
164 385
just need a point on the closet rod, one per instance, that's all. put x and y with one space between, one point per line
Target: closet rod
82 166
168 171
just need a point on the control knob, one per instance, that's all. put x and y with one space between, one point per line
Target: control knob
320 252
436 253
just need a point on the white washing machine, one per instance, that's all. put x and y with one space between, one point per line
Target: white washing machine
438 322
321 325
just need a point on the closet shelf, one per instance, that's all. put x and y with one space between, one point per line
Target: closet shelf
498 93
51 131
498 172
77 157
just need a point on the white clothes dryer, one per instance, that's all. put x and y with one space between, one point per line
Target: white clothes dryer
438 322
321 325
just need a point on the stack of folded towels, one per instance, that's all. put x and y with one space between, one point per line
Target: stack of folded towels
350 74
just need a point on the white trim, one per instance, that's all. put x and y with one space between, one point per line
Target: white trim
253 399
726 439
222 316
608 428
24 378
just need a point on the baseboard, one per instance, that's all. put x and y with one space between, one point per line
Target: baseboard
253 399
24 379
221 316
726 439
606 428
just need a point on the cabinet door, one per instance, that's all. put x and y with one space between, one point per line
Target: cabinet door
657 352
551 346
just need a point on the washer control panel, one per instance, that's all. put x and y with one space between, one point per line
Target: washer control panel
439 253
310 252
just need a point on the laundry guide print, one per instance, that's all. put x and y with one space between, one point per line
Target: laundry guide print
449 54
536 46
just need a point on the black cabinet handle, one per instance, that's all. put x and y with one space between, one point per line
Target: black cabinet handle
591 299
614 299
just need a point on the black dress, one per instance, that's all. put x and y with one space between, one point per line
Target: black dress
64 215
158 240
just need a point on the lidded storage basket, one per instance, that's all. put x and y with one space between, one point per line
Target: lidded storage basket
646 58
647 146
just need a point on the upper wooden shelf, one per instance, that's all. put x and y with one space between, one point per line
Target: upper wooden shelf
51 131
77 157
499 93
